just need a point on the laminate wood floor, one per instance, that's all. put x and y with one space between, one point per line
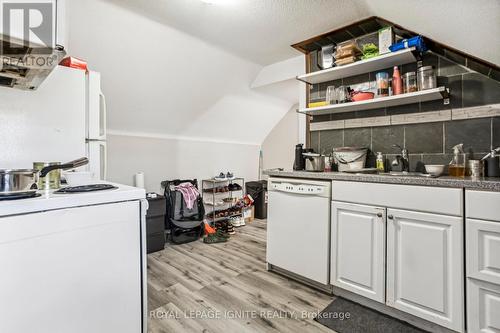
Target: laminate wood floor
225 287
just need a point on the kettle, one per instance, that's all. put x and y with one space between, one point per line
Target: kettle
299 163
326 56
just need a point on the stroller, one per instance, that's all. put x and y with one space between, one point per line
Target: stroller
185 225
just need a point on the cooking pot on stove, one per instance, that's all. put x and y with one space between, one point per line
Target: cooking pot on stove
314 162
24 181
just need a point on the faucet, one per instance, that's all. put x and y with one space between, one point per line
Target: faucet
401 161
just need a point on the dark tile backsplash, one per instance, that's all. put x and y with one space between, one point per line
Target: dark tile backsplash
357 137
475 134
383 138
479 90
427 143
424 138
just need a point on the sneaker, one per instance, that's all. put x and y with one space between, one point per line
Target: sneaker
234 187
213 238
235 222
229 176
221 233
230 229
220 177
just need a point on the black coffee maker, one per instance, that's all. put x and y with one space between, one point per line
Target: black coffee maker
300 162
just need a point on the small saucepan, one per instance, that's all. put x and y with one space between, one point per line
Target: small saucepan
24 181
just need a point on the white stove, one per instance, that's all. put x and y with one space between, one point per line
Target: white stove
74 262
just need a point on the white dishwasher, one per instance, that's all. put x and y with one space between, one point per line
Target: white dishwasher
298 227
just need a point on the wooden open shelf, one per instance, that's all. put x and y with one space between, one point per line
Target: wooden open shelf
360 67
381 102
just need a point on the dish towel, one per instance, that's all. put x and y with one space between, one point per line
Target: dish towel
189 192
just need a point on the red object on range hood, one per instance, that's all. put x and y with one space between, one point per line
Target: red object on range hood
74 63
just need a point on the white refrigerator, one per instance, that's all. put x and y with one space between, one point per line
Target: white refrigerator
64 119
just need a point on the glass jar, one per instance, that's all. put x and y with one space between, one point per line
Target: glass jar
426 78
382 83
52 181
409 82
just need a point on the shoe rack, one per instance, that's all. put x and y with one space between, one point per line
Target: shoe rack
219 197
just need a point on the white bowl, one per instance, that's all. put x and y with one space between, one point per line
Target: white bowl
78 178
435 169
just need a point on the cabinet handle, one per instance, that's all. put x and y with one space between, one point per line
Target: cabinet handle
390 217
379 214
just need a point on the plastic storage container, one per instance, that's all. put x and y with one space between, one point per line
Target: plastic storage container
417 42
258 191
409 82
426 78
382 83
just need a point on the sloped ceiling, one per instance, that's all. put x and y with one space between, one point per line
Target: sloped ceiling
262 30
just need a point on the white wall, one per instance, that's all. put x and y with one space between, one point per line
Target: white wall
165 158
278 149
161 80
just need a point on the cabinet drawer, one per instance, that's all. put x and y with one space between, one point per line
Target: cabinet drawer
483 250
440 200
483 306
483 205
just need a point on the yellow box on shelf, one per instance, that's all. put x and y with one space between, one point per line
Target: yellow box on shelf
317 104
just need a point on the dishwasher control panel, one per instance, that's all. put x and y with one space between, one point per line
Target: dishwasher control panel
299 188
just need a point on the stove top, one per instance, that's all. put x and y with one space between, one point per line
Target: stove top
86 188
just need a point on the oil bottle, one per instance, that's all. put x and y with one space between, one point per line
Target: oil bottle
456 167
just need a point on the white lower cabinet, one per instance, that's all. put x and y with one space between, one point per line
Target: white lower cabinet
483 307
358 249
425 266
483 272
483 250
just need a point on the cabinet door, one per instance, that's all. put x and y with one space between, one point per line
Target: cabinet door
425 273
483 307
483 250
358 249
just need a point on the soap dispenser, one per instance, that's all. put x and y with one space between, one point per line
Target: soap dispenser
456 167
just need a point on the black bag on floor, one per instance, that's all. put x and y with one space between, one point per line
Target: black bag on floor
185 224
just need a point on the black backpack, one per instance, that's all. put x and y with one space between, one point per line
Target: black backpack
185 225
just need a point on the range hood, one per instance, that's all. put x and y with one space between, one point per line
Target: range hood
25 67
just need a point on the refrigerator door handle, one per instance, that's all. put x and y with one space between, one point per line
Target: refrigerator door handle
102 115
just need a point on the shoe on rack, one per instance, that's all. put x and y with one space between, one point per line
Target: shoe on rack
230 176
230 229
220 177
234 187
235 222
